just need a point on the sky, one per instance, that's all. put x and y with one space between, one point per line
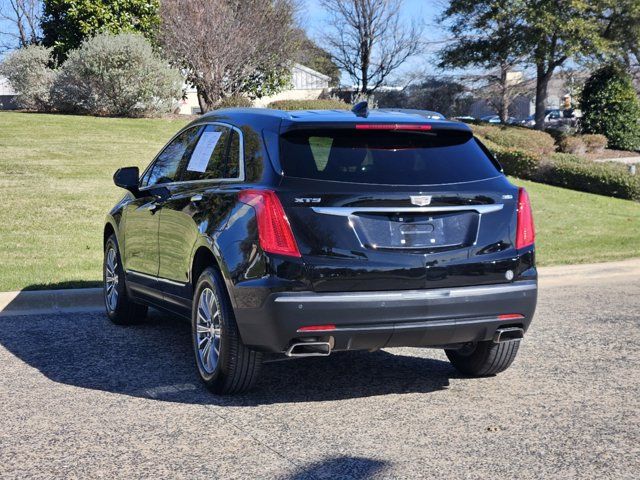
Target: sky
313 19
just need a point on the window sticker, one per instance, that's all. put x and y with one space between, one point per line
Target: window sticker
202 153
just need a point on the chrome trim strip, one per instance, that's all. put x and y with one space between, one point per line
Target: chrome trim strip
410 294
346 211
159 279
140 274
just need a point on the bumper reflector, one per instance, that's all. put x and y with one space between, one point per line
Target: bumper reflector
317 328
510 316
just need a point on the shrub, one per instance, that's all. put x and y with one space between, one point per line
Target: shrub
309 105
558 132
570 171
572 144
518 163
602 178
517 137
116 75
235 101
610 106
595 143
27 69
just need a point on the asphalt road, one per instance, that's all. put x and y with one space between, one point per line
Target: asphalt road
81 398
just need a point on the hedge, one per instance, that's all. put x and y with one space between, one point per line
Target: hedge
572 144
517 162
610 179
521 138
309 105
570 171
236 101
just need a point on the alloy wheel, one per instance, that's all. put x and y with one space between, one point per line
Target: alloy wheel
208 332
111 280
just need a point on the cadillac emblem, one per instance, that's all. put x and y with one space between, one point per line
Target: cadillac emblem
421 200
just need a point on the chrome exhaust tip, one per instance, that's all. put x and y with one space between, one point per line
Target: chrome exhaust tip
309 349
508 334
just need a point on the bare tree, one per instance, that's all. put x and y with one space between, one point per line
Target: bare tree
230 47
501 86
19 23
368 40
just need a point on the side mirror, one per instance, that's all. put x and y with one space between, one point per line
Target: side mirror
127 178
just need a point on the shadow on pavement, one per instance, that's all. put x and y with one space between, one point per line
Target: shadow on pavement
64 285
355 468
154 360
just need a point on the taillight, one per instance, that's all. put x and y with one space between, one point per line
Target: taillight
274 231
392 126
525 234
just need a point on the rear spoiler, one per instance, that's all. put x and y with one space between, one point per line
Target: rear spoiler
365 124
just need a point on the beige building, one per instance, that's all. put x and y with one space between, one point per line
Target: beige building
7 95
306 84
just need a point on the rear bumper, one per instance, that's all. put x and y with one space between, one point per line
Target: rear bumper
370 320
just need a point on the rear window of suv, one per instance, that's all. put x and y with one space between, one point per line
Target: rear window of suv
385 157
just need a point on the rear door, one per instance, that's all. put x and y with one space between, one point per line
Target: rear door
392 209
194 206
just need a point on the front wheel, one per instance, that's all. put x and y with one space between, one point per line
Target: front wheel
225 364
120 308
482 359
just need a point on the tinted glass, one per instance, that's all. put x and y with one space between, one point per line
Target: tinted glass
215 156
385 157
233 161
167 166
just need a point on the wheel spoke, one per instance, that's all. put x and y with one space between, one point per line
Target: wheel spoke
205 352
203 314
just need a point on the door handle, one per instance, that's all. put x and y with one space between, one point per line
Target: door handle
196 198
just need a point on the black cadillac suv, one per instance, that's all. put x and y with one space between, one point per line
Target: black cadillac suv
308 232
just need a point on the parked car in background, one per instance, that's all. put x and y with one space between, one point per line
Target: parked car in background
529 121
309 232
553 118
496 119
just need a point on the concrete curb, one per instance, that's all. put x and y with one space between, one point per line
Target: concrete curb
625 160
588 273
38 302
44 302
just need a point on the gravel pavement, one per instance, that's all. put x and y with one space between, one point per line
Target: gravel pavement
81 398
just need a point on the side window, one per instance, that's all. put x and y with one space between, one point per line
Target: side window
215 156
166 168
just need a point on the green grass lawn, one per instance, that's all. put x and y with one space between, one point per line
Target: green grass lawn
55 179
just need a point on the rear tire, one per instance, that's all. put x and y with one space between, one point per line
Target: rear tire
483 359
225 364
121 310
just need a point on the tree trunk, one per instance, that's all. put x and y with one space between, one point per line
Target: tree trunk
204 100
543 77
365 77
504 96
364 67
